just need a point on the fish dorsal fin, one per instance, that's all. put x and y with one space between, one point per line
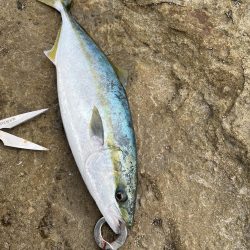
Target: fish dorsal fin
122 75
51 54
96 126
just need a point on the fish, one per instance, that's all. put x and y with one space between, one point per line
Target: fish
96 118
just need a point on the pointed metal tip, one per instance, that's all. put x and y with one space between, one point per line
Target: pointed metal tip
17 142
42 110
43 149
38 148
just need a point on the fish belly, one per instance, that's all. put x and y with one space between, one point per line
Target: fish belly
77 96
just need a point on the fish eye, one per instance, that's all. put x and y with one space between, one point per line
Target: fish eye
121 195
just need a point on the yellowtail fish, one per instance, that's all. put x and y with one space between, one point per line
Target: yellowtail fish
96 118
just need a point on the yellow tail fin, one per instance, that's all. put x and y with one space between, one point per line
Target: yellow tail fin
56 3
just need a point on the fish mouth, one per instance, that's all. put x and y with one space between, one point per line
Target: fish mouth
114 219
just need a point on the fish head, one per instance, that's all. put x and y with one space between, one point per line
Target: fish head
124 165
112 184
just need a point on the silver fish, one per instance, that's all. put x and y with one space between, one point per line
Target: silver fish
96 118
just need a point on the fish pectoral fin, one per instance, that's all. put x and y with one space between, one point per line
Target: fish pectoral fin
96 126
51 54
122 75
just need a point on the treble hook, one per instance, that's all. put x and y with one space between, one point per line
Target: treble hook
103 244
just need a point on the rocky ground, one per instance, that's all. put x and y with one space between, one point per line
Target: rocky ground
189 91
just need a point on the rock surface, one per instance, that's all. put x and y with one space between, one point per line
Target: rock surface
189 91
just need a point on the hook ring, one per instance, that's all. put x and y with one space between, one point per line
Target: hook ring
103 244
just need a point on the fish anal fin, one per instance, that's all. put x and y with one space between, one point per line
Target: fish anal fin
51 54
122 75
96 126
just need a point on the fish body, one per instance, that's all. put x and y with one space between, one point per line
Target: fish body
96 118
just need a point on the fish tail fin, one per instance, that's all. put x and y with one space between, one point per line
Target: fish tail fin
57 4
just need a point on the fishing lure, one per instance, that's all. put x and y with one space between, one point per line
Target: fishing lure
97 122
